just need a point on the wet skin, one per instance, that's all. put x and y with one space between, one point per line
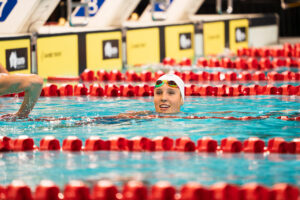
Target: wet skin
167 99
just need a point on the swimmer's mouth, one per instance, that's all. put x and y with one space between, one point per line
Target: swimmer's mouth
164 106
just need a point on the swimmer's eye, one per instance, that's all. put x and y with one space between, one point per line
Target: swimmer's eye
171 92
158 92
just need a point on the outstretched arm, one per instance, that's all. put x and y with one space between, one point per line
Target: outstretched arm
133 113
31 84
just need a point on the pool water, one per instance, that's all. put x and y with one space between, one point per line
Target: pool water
150 167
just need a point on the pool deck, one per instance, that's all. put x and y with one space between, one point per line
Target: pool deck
291 40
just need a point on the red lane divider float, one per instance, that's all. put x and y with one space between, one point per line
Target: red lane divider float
6 143
258 58
65 90
128 90
137 190
95 143
250 63
231 145
144 89
72 143
147 76
207 144
254 145
134 190
23 143
163 190
287 50
161 143
18 190
139 143
76 190
105 189
49 143
193 191
286 118
255 191
184 144
47 190
225 191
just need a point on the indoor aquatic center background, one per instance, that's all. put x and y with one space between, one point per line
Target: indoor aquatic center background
237 134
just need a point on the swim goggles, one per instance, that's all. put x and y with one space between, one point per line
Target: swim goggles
160 83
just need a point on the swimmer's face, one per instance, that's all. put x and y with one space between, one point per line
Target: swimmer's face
167 99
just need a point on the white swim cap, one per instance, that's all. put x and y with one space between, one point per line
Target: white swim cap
177 80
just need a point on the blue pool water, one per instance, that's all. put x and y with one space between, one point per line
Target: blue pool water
176 167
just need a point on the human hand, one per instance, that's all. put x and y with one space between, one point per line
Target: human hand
9 117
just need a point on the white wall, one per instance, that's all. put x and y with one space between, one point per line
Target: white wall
25 14
263 35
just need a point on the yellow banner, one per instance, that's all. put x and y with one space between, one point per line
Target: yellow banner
57 56
15 55
238 34
104 50
213 37
143 46
179 41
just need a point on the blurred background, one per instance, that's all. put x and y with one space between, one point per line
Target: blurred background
287 10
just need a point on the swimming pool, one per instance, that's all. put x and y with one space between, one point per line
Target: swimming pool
176 167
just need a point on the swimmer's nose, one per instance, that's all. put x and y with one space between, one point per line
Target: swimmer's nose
164 97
